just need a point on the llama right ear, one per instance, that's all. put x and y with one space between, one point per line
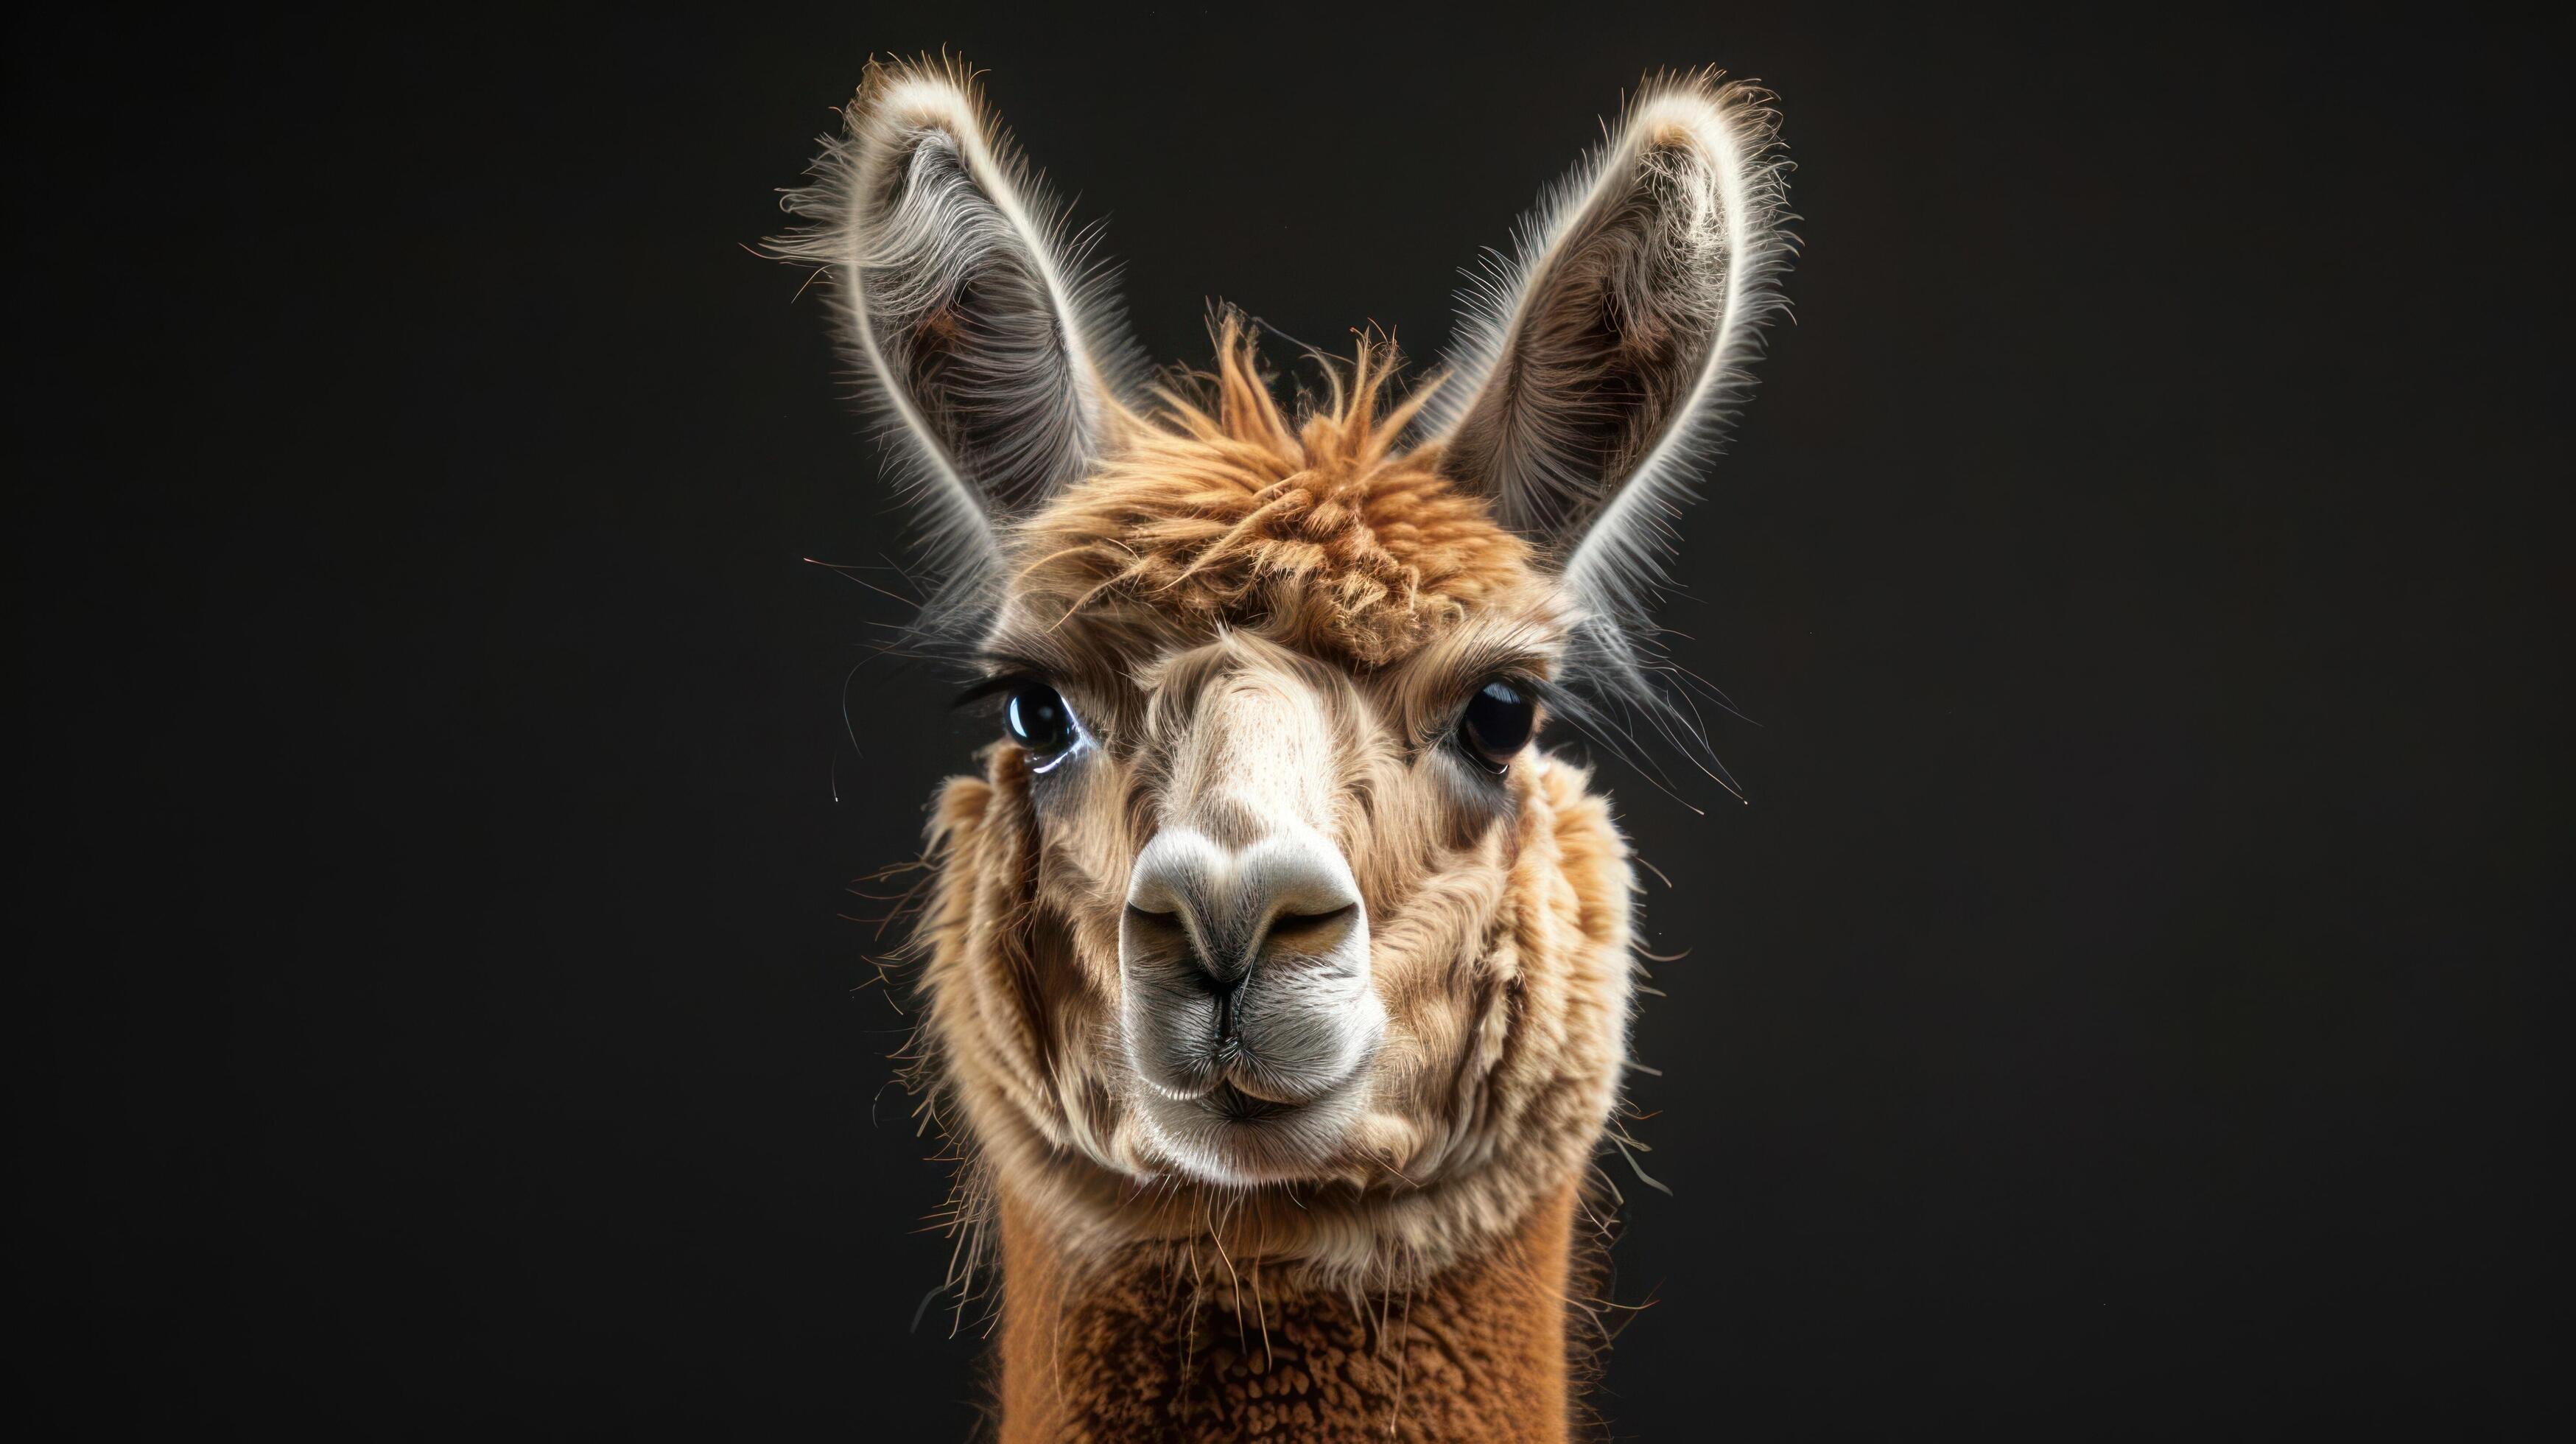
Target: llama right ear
992 350
1599 367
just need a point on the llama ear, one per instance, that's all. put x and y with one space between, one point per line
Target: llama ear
1598 369
991 348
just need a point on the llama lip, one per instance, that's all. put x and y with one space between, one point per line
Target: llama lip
1237 1106
1230 1135
1236 1091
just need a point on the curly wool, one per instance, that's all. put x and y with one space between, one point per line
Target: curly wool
1222 512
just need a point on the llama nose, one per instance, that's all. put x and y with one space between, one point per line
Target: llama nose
1206 916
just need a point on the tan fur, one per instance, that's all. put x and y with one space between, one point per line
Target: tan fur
1277 1023
1158 1342
1321 533
1232 546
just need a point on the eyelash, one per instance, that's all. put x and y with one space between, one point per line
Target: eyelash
1538 690
998 685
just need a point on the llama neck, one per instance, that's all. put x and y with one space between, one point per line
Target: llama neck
1145 1346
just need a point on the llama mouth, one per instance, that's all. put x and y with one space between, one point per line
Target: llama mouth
1230 1135
1236 1106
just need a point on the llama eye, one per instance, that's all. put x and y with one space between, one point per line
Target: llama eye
1497 723
1039 721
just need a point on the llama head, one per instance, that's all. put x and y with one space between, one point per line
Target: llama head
1268 894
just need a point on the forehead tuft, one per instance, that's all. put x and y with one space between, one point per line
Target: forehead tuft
1319 534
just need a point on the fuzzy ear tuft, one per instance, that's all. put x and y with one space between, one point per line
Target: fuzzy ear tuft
990 348
1600 366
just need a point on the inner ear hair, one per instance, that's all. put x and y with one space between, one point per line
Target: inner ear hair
1597 367
979 332
1615 332
961 310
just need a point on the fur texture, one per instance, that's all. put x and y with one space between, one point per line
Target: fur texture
1157 1342
1499 907
990 347
1600 368
1601 363
1364 1216
1233 552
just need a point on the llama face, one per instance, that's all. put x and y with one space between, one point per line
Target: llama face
1268 883
1269 716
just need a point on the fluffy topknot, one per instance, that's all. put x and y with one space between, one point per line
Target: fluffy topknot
1225 511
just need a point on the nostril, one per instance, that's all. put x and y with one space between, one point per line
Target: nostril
1158 926
1207 918
1297 923
1169 935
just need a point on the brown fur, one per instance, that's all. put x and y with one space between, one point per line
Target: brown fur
1321 533
1156 1342
1232 545
1354 1215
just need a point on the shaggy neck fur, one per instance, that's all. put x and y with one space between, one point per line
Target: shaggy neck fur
1156 1341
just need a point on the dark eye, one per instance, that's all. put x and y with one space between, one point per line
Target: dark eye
1039 720
1497 722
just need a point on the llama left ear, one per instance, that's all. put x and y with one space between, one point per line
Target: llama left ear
989 346
1600 367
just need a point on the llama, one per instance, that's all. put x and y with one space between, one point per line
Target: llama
1275 982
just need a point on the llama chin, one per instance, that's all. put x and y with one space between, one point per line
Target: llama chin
1238 1140
1276 974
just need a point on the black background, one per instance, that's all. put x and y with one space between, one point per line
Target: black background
2125 1005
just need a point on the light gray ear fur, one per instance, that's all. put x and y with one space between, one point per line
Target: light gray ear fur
1599 368
990 349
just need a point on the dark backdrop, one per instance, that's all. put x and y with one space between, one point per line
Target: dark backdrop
2124 1006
